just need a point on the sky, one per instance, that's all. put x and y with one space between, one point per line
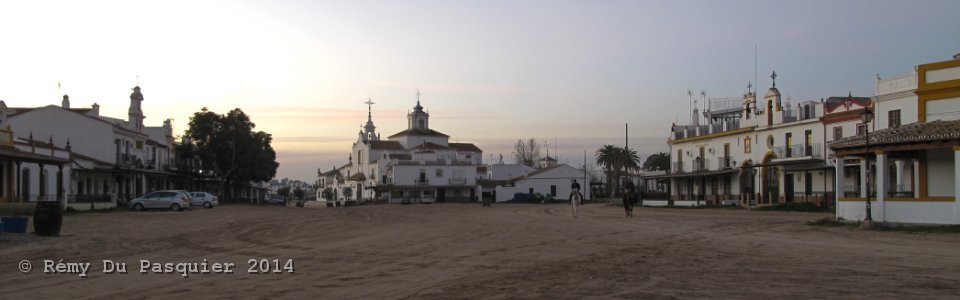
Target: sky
568 73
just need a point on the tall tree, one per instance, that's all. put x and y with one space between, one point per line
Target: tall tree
298 193
229 146
284 191
617 162
606 158
527 152
657 162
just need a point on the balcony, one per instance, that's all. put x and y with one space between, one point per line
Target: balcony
700 165
460 180
677 167
421 181
724 163
798 151
689 131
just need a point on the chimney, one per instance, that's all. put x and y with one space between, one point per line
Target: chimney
96 110
66 102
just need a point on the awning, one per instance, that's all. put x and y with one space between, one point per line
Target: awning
807 166
693 174
792 162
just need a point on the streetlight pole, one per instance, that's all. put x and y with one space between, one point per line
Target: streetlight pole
866 116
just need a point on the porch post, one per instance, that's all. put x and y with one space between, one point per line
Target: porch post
881 184
60 186
17 170
915 183
956 187
838 185
899 164
863 177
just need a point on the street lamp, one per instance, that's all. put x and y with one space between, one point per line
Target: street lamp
866 116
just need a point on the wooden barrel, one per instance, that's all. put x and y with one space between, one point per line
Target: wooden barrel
47 218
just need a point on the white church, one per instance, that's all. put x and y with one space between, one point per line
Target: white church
418 164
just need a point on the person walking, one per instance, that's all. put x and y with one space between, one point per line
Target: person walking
629 192
576 198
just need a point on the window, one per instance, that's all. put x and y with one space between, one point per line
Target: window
861 128
421 124
788 143
553 190
140 145
746 145
439 172
837 133
893 118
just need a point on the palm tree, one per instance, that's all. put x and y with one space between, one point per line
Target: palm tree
607 158
617 162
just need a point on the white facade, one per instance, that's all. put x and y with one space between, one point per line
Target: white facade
911 157
765 152
554 181
415 163
110 157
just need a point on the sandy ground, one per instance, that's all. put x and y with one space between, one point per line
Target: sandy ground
446 251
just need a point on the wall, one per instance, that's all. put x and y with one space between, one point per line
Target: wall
920 212
908 111
943 109
408 174
940 173
87 136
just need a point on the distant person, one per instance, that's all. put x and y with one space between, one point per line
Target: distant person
629 192
575 198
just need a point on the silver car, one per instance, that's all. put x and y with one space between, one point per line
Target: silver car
174 200
207 200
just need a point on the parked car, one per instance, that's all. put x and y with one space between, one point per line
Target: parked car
276 199
207 200
172 199
427 200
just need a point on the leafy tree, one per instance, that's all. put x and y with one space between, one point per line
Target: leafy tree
229 146
284 191
657 162
298 193
527 153
327 194
347 193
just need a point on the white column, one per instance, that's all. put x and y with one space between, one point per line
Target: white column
838 185
863 177
881 185
956 187
915 184
899 164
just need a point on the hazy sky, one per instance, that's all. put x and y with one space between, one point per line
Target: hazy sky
490 72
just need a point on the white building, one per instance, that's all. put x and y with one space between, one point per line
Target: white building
112 158
912 153
554 181
760 152
415 163
30 170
